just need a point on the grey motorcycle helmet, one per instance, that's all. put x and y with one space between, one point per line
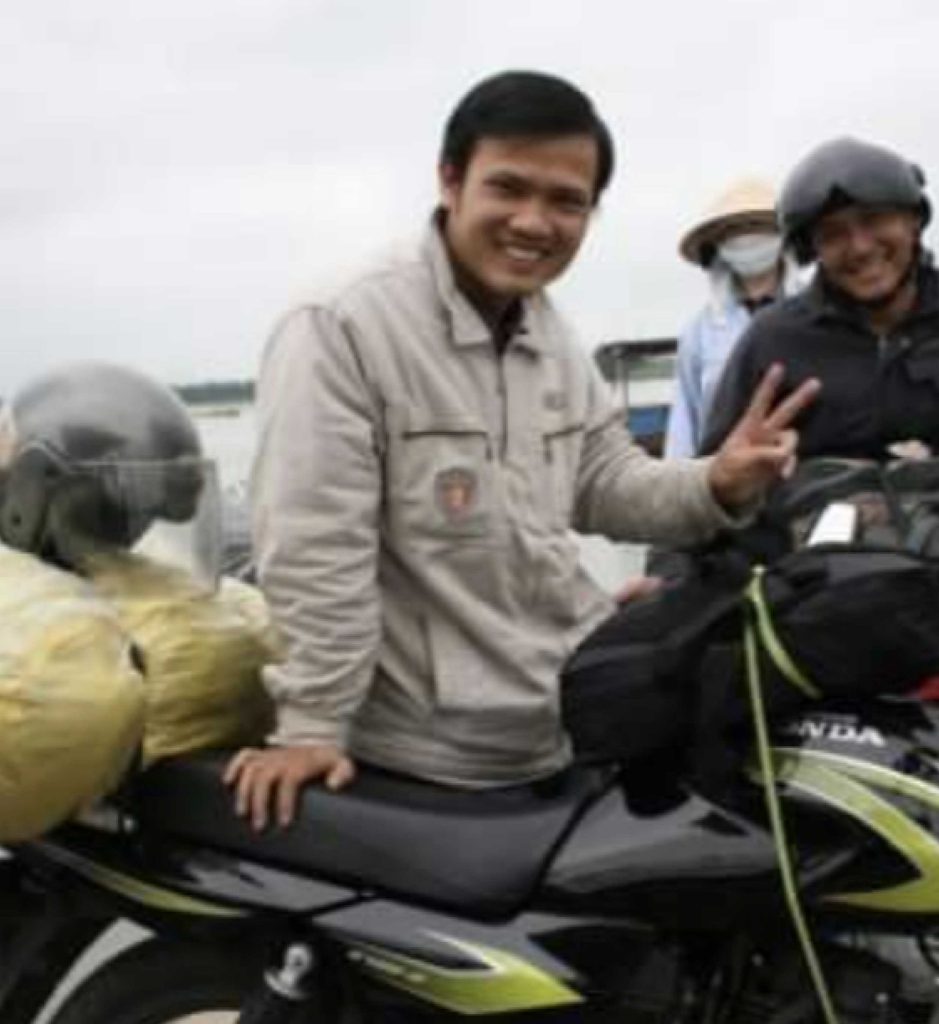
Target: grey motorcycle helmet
840 172
92 456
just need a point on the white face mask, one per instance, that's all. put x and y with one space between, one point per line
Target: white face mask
751 254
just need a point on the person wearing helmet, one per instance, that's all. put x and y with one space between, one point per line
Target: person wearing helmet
738 246
429 436
95 459
867 325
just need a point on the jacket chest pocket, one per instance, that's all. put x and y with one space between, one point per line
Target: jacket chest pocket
912 409
441 478
922 364
561 449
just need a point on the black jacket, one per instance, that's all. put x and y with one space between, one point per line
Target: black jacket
875 390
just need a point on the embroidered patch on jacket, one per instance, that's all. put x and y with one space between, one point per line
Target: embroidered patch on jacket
555 400
455 491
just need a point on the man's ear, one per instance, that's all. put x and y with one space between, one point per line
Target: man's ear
449 180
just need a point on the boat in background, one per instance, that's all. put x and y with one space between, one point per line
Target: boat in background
642 374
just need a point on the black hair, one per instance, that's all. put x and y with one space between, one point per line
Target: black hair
525 103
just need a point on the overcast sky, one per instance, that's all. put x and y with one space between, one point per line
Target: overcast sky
174 172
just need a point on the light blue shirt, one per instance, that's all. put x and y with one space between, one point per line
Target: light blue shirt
703 348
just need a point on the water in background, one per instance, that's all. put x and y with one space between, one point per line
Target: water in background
228 433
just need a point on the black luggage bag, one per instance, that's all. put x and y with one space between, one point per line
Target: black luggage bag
834 620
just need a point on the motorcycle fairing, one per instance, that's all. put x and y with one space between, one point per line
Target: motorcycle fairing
130 885
471 967
855 788
672 868
180 879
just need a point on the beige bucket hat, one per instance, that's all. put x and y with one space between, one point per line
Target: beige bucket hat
748 202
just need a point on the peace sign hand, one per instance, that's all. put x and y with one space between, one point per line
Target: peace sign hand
762 446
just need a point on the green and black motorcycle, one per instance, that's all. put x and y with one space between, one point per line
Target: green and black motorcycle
587 897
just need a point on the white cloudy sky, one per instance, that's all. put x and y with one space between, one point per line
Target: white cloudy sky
172 172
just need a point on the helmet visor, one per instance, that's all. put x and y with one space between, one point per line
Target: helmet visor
894 184
167 512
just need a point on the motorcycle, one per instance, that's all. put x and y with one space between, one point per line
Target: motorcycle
595 896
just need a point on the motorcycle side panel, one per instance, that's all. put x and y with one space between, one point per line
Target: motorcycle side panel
173 880
534 962
675 868
860 795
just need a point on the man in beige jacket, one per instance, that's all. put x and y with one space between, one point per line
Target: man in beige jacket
428 438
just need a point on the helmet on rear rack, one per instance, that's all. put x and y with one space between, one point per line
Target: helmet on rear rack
843 172
97 458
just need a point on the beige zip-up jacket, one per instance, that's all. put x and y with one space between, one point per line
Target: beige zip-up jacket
413 500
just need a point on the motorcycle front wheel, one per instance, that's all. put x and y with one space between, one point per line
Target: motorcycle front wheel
160 982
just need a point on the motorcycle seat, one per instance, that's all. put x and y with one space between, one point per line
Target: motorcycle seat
480 853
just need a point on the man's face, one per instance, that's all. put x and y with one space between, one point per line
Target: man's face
517 215
866 251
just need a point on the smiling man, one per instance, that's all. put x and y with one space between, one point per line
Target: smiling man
430 434
868 326
515 216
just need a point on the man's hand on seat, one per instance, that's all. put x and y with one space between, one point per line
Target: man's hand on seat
271 779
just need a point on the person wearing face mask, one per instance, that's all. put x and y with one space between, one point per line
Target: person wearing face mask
738 245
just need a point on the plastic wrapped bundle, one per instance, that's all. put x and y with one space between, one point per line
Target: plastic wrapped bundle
202 650
71 699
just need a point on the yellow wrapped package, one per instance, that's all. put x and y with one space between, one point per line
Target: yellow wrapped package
71 699
202 651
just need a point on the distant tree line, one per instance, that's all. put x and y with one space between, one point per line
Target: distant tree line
216 392
644 359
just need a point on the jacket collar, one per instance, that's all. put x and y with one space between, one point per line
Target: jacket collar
467 327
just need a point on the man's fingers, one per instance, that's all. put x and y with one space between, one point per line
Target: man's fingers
263 782
236 765
287 793
777 456
341 774
243 789
788 448
788 442
268 782
765 395
787 410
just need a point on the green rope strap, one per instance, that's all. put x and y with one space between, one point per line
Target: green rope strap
773 646
758 627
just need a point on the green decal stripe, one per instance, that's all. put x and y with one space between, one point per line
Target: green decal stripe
153 895
501 984
876 774
829 777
